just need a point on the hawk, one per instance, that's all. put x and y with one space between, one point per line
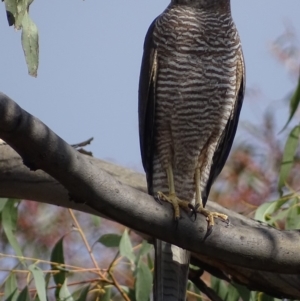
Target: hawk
191 90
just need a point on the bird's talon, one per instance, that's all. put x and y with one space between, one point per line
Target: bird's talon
157 198
193 210
208 231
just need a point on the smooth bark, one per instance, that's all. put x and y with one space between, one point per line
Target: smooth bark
247 251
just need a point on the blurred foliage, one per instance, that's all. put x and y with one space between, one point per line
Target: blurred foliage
51 253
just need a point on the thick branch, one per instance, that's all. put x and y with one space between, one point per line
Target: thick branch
245 243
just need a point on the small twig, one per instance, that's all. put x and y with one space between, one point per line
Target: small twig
113 262
79 229
123 294
48 262
82 144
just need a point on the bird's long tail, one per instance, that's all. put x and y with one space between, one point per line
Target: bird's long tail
171 272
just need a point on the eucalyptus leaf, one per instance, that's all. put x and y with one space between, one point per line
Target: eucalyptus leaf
64 293
9 223
264 211
24 295
39 280
126 246
288 157
57 255
11 288
143 284
30 44
110 240
294 103
107 295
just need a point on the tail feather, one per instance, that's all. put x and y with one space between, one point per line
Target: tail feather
171 272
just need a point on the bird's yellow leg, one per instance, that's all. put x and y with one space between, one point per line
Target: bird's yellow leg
172 198
199 206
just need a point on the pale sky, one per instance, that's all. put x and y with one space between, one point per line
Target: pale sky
90 54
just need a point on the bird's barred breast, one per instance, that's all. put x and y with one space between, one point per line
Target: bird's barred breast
196 88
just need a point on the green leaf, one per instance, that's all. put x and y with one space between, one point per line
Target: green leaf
264 297
107 295
110 240
9 224
64 293
57 255
96 220
30 44
2 203
288 157
36 298
233 294
22 6
245 294
264 211
39 281
126 247
11 288
24 295
11 10
219 287
144 249
143 283
83 292
293 216
150 262
294 103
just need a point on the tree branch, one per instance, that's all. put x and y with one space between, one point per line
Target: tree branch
243 249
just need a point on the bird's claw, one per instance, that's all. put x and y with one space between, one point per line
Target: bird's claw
193 210
208 231
158 199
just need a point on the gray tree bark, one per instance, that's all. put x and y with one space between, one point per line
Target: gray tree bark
248 252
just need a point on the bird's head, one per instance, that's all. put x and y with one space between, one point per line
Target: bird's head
203 3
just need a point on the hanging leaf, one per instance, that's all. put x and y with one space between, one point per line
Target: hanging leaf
245 294
288 157
110 240
219 287
22 7
2 203
39 280
144 249
11 11
126 246
83 292
107 295
294 103
64 293
263 212
96 220
30 44
150 262
143 283
11 288
9 224
57 255
24 295
264 297
233 294
293 216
